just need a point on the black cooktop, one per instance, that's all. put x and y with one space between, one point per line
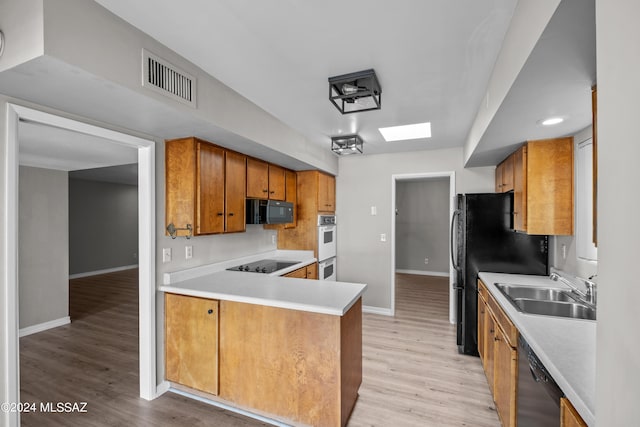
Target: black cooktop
263 266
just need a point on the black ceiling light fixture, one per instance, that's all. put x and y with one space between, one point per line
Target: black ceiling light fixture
348 144
355 92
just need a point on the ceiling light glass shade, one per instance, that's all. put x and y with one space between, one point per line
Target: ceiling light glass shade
402 133
348 144
552 121
355 92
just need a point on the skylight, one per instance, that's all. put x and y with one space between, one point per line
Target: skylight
402 133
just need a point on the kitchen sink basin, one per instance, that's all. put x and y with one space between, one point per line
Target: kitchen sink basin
552 308
534 293
547 301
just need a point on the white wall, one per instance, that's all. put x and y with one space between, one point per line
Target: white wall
572 264
365 181
21 22
43 258
422 225
618 346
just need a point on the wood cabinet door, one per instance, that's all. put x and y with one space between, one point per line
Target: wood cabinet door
312 271
235 187
257 179
569 417
507 174
276 183
505 378
300 273
326 193
520 189
550 186
191 341
489 356
482 310
209 189
180 183
291 195
498 178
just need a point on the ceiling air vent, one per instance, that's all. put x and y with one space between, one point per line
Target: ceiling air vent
165 78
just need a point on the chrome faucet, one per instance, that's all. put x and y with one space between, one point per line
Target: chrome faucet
592 290
589 296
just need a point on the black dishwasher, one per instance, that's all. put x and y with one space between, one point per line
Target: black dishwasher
538 394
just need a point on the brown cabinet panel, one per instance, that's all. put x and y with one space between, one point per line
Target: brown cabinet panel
520 189
326 193
276 183
505 378
300 273
550 186
569 417
504 175
257 179
210 189
291 194
235 186
180 183
191 342
312 271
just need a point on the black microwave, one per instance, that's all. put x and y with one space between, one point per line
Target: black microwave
269 212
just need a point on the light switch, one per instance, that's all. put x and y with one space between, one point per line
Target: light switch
374 210
383 237
166 255
188 252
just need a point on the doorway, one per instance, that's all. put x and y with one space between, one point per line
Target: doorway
146 244
410 257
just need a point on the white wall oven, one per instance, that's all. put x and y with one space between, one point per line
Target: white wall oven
327 269
326 237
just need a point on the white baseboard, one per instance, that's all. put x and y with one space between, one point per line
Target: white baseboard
105 271
162 388
424 273
376 310
44 326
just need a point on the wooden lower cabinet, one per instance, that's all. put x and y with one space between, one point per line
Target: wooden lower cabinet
308 272
499 355
290 365
191 341
569 417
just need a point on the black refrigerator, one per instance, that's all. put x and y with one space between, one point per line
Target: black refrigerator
482 239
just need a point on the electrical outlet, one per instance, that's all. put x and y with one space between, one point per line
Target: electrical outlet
374 210
188 252
383 237
166 255
426 261
273 239
564 251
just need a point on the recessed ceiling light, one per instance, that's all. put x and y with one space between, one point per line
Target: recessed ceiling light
552 121
401 133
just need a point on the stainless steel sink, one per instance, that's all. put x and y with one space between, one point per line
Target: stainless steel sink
547 301
574 310
544 294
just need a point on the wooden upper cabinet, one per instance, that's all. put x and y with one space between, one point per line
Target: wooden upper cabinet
210 167
550 186
205 187
504 175
291 194
520 189
276 182
235 188
265 181
326 193
569 417
542 183
257 179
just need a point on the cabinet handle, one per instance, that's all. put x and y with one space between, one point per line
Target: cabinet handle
210 311
265 191
220 214
271 192
230 213
496 338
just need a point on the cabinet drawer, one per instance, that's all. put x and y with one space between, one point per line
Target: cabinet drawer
482 290
503 321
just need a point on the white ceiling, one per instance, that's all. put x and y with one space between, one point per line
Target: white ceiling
433 58
50 147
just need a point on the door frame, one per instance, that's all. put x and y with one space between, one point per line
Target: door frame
146 243
452 193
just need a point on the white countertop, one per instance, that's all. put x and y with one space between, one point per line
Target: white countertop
215 282
566 347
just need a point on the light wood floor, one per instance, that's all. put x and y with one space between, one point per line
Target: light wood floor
413 375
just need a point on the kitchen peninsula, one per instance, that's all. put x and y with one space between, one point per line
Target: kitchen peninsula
286 348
